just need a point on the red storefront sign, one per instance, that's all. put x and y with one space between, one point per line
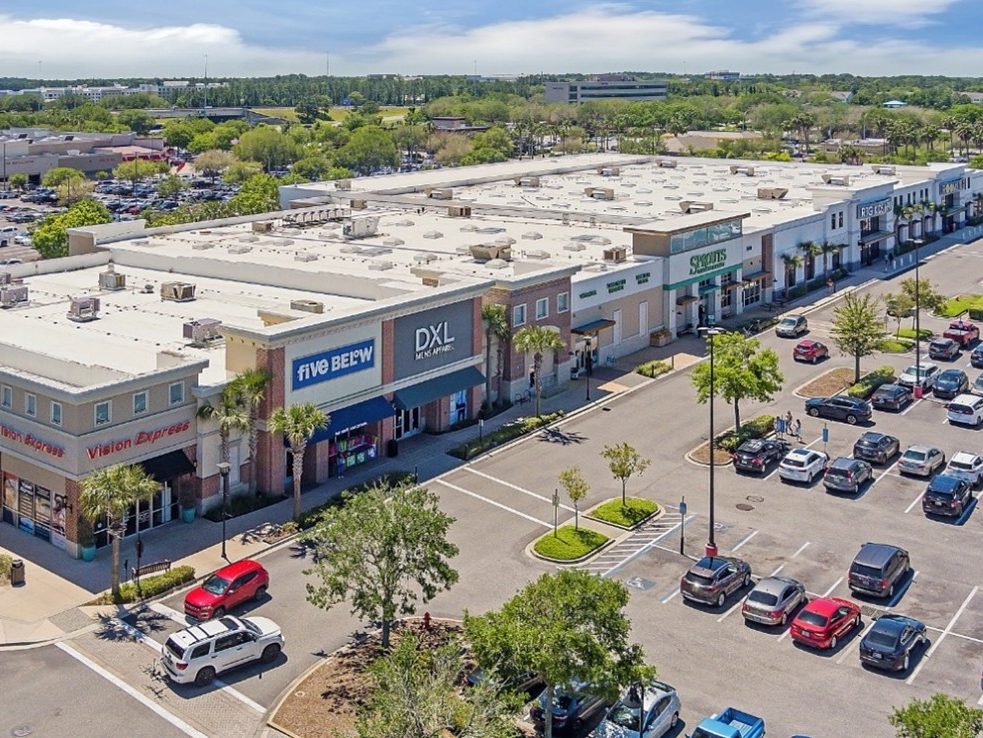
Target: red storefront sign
31 440
142 438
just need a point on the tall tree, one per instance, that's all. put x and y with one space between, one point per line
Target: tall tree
138 169
382 550
857 328
109 493
57 176
537 340
268 146
742 370
624 461
572 480
51 235
251 386
898 305
564 627
495 319
298 423
229 414
213 163
940 716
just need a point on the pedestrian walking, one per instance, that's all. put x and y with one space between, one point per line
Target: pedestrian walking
797 430
788 420
779 426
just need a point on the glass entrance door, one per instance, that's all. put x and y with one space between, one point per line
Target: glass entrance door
407 423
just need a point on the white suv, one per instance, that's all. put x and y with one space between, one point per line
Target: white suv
966 410
966 465
197 654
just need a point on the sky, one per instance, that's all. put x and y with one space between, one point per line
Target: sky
241 38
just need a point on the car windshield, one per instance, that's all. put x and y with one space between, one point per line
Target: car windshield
912 369
813 618
880 638
215 584
868 441
698 578
914 455
252 627
174 648
764 598
796 463
789 321
624 716
960 409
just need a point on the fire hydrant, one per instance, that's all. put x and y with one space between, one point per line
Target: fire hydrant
426 620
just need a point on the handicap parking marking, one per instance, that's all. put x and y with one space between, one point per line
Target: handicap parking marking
653 543
938 641
517 488
493 503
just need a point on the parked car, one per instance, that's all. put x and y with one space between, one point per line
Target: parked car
802 465
968 466
877 568
977 388
730 723
658 710
891 641
847 475
824 621
839 407
756 454
199 653
226 589
925 372
792 326
809 350
950 383
711 579
962 332
966 410
773 600
875 447
921 461
976 358
572 705
890 397
946 495
943 348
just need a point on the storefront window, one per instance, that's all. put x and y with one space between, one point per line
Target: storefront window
103 413
6 396
726 298
518 315
30 404
56 413
139 403
752 293
352 447
176 393
459 407
563 302
542 308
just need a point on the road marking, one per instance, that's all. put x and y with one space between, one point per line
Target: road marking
740 601
745 539
914 502
942 635
956 635
801 549
646 547
502 482
170 612
492 502
772 473
669 596
836 584
886 471
777 570
135 694
912 406
856 641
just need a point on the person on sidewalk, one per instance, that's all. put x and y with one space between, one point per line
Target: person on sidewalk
797 430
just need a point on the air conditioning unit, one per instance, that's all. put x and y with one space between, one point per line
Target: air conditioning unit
11 295
530 181
203 245
667 163
885 169
307 306
616 254
742 169
609 171
343 184
360 227
305 256
177 291
84 309
488 252
262 226
599 193
200 332
240 249
772 193
839 180
440 194
459 211
110 280
691 206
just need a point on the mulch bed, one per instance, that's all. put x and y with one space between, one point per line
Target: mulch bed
701 454
828 383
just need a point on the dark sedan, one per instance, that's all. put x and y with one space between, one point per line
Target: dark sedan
711 579
839 407
891 397
951 383
943 348
946 495
891 641
756 454
976 358
876 448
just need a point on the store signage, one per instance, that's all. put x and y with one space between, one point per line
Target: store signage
31 440
873 209
334 363
701 263
143 438
643 277
950 187
589 293
616 286
433 340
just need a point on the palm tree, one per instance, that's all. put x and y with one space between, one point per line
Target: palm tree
810 250
230 415
537 340
251 385
109 493
495 319
298 424
851 154
827 248
792 262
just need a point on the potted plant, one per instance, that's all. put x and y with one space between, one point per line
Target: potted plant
86 539
188 503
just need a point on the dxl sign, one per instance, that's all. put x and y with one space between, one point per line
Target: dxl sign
433 338
707 262
334 363
873 209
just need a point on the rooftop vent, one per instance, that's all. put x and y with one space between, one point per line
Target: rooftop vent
667 163
440 193
599 193
248 238
307 306
496 264
343 184
12 294
489 252
840 180
393 241
692 206
407 223
537 254
504 241
283 242
203 245
458 211
532 235
350 249
83 309
609 171
262 226
885 169
530 181
490 230
201 332
305 256
430 277
360 227
424 258
772 193
4 278
575 246
469 228
376 250
433 234
742 169
110 280
380 266
240 249
617 254
177 291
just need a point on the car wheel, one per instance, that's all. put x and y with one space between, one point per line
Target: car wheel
784 619
851 419
673 720
907 663
260 593
218 612
814 412
832 643
205 676
747 580
270 653
721 599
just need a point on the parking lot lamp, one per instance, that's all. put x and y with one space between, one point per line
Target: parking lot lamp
223 468
588 362
709 333
918 327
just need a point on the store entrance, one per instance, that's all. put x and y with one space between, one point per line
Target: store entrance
407 423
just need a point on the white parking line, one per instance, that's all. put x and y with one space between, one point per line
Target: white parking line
170 612
836 584
953 634
801 549
911 406
492 502
669 596
646 547
886 471
120 684
740 601
942 635
777 570
515 487
914 502
745 539
850 646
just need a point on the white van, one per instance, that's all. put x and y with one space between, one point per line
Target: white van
966 410
9 231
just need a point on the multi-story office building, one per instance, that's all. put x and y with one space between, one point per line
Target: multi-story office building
606 89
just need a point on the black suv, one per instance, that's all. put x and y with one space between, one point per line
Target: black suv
946 495
891 397
877 569
876 448
755 454
839 407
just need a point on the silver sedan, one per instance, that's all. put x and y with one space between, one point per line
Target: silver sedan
773 600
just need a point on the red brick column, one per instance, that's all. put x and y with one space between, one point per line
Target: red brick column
388 351
271 458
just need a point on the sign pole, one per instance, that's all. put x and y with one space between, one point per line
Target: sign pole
825 437
682 526
556 510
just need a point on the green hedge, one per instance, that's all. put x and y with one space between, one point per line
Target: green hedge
631 513
6 565
757 325
515 429
758 427
569 544
956 306
150 586
653 369
909 333
870 382
892 345
312 517
241 505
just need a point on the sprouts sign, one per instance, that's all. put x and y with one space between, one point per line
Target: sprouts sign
702 263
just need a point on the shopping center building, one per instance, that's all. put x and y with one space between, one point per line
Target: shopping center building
365 298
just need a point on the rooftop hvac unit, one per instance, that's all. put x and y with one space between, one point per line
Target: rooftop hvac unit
532 235
262 226
575 246
110 280
692 206
393 241
440 193
283 242
609 171
667 163
240 249
772 193
350 248
430 277
343 184
886 169
840 180
378 250
430 235
359 203
305 256
248 238
380 266
537 254
203 245
531 181
11 295
84 309
4 278
201 331
742 169
177 291
489 230
307 306
488 252
616 254
496 264
424 258
360 227
599 193
459 211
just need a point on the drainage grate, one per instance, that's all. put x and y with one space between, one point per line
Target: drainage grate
744 506
868 611
754 498
21 731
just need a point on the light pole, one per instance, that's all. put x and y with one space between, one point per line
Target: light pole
223 468
711 547
588 361
918 327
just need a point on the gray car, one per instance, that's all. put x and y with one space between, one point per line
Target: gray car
773 600
922 461
711 579
660 714
847 475
792 326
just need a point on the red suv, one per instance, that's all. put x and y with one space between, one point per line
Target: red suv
225 589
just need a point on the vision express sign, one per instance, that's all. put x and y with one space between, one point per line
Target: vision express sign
331 364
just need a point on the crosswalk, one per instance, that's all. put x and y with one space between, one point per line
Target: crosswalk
650 535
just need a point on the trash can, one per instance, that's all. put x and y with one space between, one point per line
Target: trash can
17 572
392 448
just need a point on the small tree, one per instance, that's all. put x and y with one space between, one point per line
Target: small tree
59 175
624 461
857 328
572 480
537 340
171 186
212 163
18 180
928 296
229 415
382 550
566 626
898 305
495 319
138 169
298 424
937 717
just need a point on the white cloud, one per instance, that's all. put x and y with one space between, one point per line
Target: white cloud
908 13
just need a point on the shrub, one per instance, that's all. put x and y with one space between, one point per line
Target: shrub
653 369
242 505
569 543
757 325
796 292
150 586
634 511
6 564
870 382
506 433
894 345
310 518
758 427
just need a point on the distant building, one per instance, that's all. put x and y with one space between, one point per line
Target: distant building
454 124
841 95
974 97
723 75
606 89
894 104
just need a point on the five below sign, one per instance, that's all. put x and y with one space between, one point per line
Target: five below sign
338 362
707 262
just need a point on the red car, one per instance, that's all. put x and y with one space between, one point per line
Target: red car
809 350
962 332
825 620
225 589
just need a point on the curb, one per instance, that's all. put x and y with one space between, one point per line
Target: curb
530 551
655 515
797 391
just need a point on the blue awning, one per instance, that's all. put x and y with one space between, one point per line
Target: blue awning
368 411
434 389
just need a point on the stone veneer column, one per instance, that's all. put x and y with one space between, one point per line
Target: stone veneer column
271 458
72 495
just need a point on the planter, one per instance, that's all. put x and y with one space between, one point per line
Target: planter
188 514
88 553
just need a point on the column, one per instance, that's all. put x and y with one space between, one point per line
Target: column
715 309
669 310
737 294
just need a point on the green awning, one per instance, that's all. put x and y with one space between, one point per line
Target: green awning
434 389
589 329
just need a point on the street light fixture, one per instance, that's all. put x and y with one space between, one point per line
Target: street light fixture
224 468
709 333
588 361
918 326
